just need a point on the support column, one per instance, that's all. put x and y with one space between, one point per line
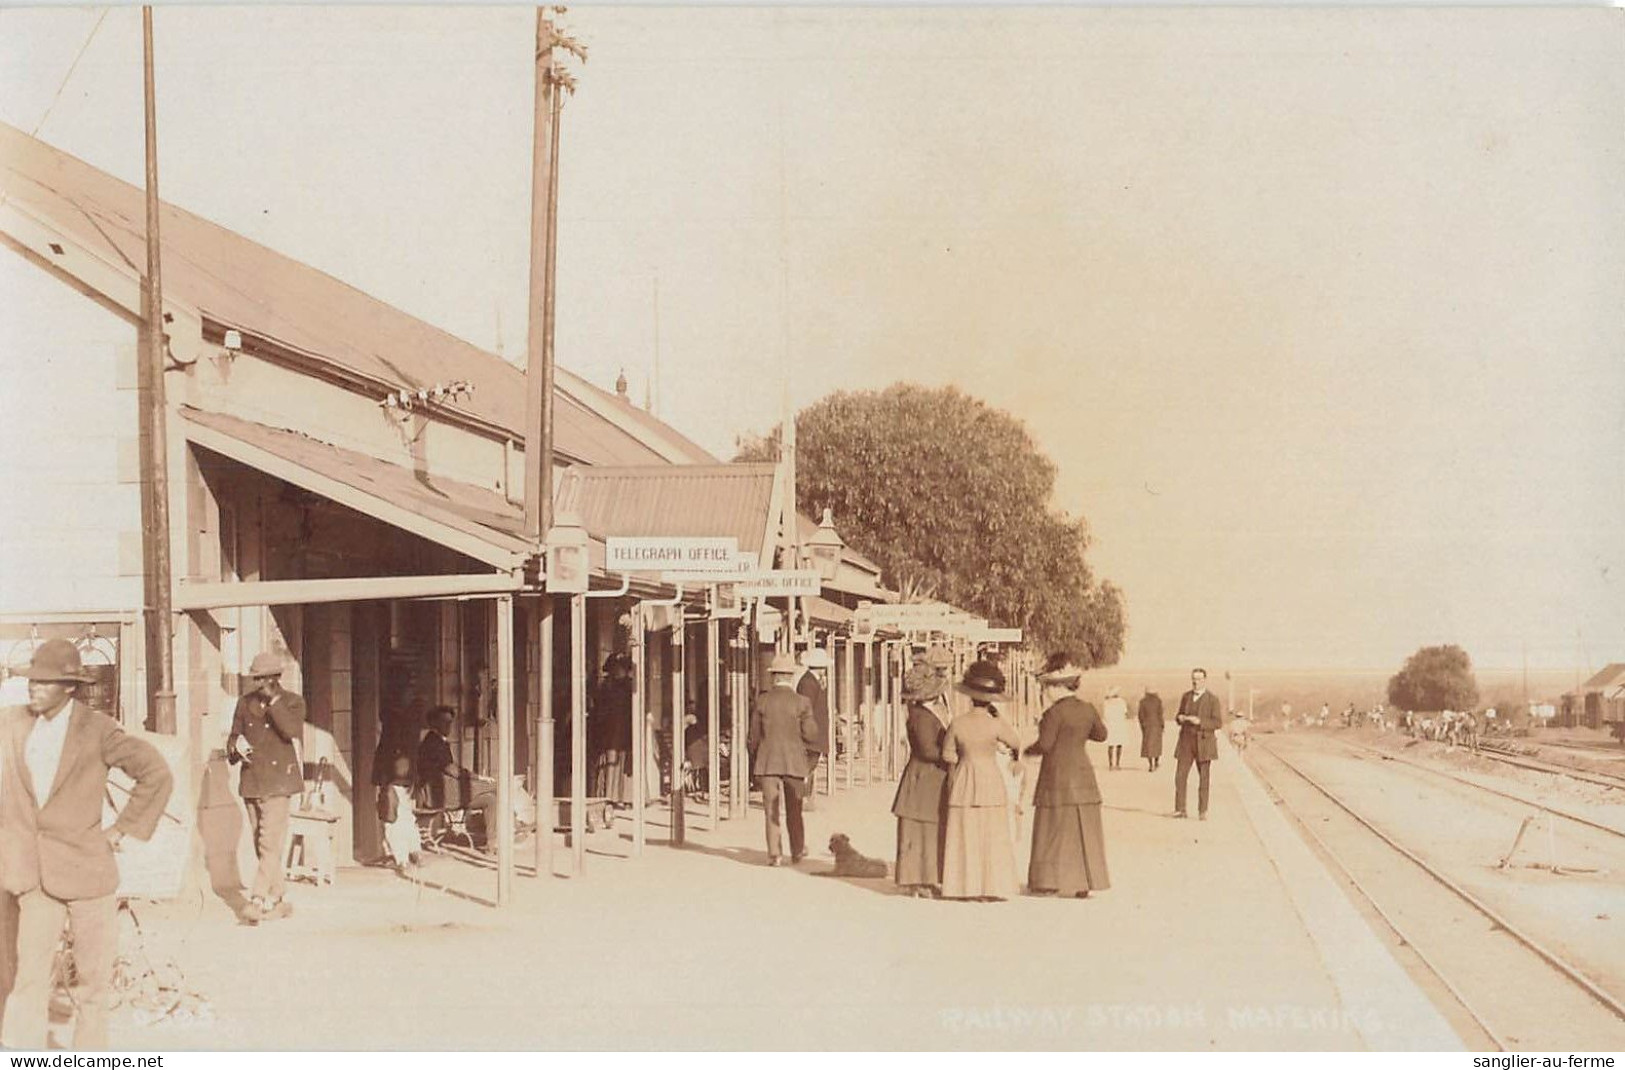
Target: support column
578 733
713 722
505 714
540 639
640 731
679 710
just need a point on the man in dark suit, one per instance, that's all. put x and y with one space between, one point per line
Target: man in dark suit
264 727
782 729
55 857
1199 721
443 783
813 684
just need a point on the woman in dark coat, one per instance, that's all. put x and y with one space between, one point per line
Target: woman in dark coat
918 805
1151 730
1069 846
610 730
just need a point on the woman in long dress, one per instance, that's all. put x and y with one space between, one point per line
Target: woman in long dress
918 805
1069 845
610 731
978 853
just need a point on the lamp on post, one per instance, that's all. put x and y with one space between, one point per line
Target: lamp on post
568 566
824 549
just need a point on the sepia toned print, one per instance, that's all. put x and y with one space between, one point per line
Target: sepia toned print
696 528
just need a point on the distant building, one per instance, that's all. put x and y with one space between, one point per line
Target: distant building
1597 702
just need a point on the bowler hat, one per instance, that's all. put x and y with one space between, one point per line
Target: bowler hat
921 682
815 658
983 680
266 663
57 661
783 664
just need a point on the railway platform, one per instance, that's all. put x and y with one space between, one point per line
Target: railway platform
1218 935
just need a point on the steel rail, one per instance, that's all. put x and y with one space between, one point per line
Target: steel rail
1405 937
1552 958
1600 779
1484 787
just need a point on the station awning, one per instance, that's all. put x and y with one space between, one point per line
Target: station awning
738 500
479 523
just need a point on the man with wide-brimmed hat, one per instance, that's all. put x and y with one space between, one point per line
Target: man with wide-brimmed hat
1069 846
265 726
55 857
919 801
782 729
814 684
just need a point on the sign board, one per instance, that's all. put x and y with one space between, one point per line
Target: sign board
744 564
997 635
671 554
782 583
913 615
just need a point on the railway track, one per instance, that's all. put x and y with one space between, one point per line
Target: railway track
1361 748
1605 780
1506 985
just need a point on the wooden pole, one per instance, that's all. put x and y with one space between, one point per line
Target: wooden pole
154 438
640 731
543 251
578 733
541 631
679 711
505 712
713 722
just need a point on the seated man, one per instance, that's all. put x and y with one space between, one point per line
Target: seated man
444 784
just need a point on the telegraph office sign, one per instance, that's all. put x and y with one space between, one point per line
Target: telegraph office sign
660 553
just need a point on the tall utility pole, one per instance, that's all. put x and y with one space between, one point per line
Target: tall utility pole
154 448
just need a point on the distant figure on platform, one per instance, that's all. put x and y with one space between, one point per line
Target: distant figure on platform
814 684
1116 709
782 734
1199 719
55 857
920 791
444 784
978 855
1150 715
1240 727
611 724
263 729
1069 846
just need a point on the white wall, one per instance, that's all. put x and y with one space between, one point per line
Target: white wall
70 531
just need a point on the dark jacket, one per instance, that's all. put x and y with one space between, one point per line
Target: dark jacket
1199 741
809 686
1151 726
271 729
60 846
611 724
919 791
782 730
1064 732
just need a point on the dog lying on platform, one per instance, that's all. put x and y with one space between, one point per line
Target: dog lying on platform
849 863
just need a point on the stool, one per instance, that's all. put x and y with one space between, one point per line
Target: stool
310 846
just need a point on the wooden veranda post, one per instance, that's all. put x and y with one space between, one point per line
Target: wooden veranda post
505 716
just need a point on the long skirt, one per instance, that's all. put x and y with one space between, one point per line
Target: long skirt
1069 850
609 778
1151 742
978 857
919 852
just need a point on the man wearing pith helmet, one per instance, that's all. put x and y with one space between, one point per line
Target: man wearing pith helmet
55 857
267 722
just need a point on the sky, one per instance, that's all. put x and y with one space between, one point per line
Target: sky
1317 312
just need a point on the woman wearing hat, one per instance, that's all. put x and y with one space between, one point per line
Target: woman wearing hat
918 805
610 730
978 855
1069 848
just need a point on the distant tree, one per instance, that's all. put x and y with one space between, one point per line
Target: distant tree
1435 678
951 497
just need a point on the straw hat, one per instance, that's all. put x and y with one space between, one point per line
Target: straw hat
983 680
57 661
922 684
815 658
1060 670
939 657
782 665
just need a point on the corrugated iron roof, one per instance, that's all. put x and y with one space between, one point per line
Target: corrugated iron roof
241 284
678 500
1608 677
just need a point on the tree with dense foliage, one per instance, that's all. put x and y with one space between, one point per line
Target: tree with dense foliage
1435 678
950 496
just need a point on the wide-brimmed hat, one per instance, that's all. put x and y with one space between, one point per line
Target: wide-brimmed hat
921 683
815 658
1060 669
618 658
939 657
782 664
983 680
267 663
57 661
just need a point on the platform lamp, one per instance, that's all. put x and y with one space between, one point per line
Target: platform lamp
569 568
824 549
